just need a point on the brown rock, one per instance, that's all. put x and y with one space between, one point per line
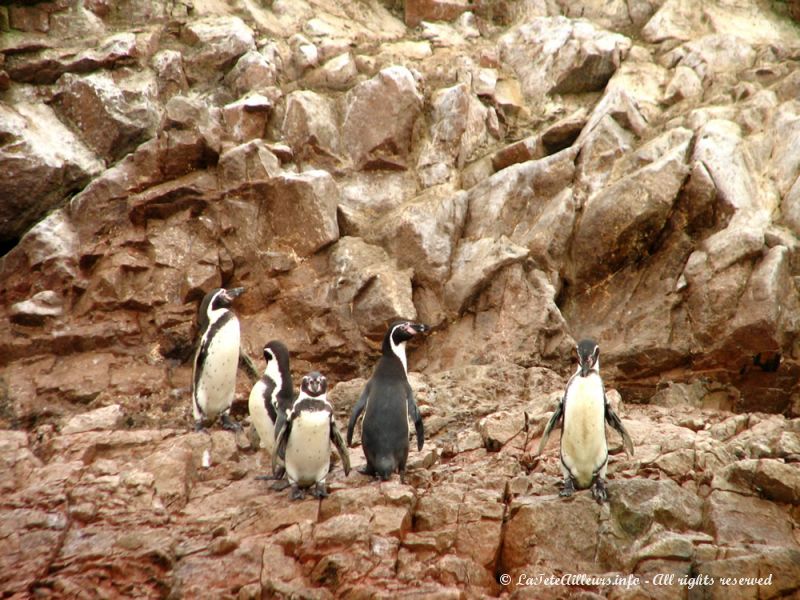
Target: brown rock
311 198
632 218
735 519
380 117
246 118
309 125
561 56
38 174
217 42
417 11
113 117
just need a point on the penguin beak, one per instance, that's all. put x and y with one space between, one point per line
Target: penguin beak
585 368
234 292
415 328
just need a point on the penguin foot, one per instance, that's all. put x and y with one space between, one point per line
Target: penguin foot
279 486
297 493
568 489
367 471
600 491
230 424
200 426
320 491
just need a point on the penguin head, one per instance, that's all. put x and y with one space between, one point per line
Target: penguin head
219 298
278 352
224 297
588 357
314 384
400 332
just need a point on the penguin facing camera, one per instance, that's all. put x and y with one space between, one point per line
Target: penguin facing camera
216 359
304 441
271 398
585 410
387 403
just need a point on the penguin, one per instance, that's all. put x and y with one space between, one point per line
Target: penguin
304 441
216 359
387 403
584 409
272 395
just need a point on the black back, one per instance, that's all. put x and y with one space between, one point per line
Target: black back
277 350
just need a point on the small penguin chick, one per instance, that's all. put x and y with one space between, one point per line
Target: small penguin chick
304 442
216 359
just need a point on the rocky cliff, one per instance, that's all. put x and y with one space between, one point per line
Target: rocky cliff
516 174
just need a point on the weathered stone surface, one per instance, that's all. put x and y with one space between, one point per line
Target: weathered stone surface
38 172
108 417
112 117
623 220
47 66
217 42
556 55
309 125
310 197
474 264
379 119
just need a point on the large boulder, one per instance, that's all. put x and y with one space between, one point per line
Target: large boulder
380 117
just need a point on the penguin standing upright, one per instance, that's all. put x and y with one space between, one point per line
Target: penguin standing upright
387 403
304 442
585 410
216 359
272 395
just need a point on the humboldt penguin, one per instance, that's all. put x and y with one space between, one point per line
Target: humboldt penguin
216 359
387 403
272 395
585 410
304 442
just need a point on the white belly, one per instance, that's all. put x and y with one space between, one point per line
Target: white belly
259 417
308 452
217 385
583 439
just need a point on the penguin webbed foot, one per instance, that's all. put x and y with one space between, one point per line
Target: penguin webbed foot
230 424
280 485
599 490
320 490
367 470
200 426
568 489
297 493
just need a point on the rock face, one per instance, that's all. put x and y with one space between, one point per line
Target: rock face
518 175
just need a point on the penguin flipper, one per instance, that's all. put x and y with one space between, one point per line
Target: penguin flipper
357 410
614 421
280 423
413 412
341 448
280 445
551 424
